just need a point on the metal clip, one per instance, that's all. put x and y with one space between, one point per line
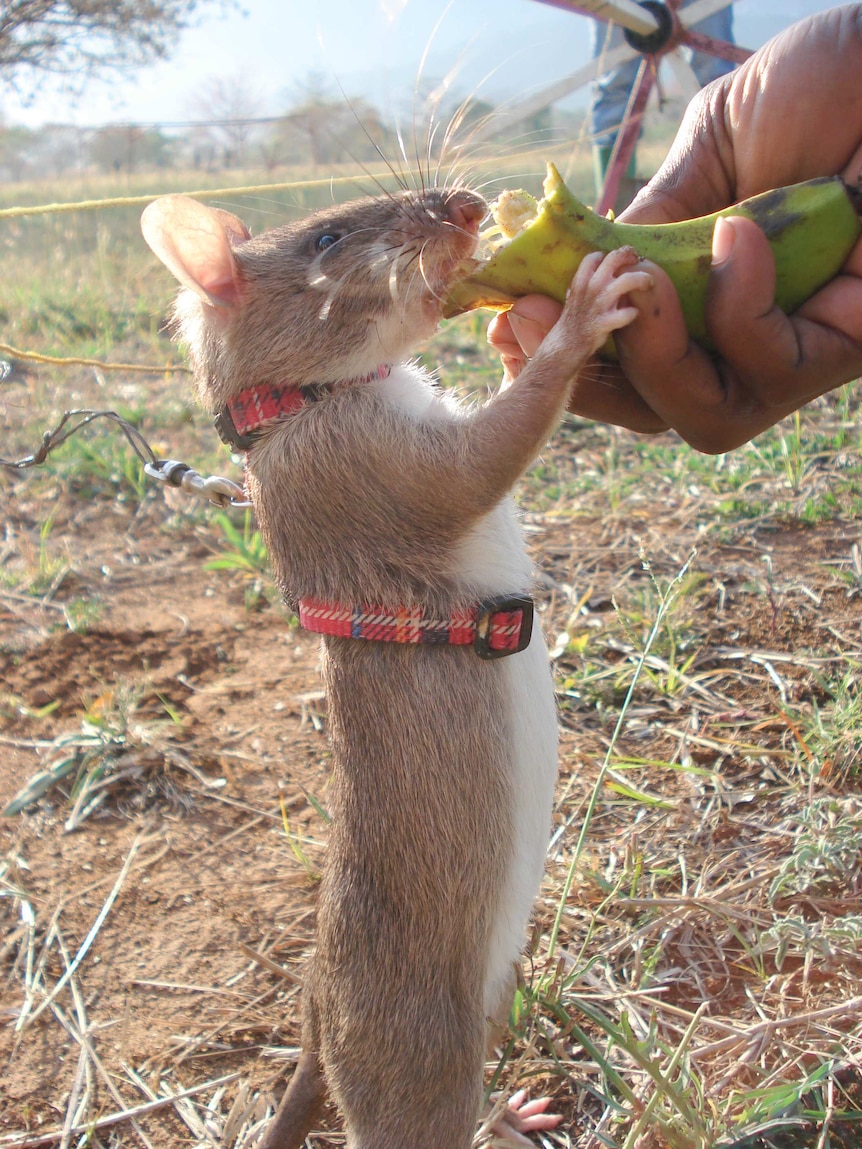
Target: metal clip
218 490
223 492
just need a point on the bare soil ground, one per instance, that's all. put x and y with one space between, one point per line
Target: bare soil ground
206 844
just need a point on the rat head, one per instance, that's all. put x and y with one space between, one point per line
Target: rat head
328 298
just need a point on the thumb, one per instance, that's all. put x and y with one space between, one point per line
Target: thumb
531 318
742 319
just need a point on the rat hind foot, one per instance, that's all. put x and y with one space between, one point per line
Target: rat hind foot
518 1117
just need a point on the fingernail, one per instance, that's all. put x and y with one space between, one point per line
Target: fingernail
528 333
723 239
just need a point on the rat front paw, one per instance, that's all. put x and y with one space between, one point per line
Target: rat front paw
597 303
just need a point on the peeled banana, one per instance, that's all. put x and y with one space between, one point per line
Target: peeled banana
811 228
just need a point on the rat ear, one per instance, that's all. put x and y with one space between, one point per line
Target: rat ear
235 228
193 242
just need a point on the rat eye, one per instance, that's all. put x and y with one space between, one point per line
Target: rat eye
328 239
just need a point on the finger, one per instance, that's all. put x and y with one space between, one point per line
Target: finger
777 362
521 1104
769 365
516 334
600 391
675 379
501 337
531 318
534 316
742 318
539 1123
839 303
531 1115
708 403
502 340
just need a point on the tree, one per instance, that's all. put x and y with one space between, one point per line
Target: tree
126 148
228 107
77 38
330 128
15 152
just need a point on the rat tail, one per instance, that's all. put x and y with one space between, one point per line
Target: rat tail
302 1101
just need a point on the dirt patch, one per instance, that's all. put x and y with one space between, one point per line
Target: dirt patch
220 707
211 830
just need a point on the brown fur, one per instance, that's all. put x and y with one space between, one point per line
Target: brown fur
361 501
407 900
280 277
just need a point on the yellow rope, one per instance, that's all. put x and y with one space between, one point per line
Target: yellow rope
254 189
35 357
137 200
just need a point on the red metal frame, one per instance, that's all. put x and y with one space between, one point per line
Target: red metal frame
643 85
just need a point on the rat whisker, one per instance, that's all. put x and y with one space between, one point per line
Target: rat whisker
317 276
420 71
393 281
326 307
413 265
435 99
423 273
398 174
403 150
399 267
459 116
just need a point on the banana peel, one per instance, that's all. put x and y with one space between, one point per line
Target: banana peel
811 228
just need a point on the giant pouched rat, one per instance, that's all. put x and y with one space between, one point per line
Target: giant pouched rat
384 506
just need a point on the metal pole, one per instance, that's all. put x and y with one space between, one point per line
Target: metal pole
624 12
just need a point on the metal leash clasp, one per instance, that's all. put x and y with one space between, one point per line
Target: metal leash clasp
218 490
223 492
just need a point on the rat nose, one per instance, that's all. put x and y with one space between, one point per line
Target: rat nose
466 210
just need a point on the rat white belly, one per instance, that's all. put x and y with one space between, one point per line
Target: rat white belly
531 715
492 560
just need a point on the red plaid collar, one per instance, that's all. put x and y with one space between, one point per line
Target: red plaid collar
494 628
242 416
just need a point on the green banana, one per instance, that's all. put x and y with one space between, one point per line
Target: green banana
811 228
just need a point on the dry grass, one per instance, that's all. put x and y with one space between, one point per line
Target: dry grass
694 974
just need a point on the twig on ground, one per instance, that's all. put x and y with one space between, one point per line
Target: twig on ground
27 1141
27 1018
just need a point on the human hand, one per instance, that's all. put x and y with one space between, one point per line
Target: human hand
600 391
736 140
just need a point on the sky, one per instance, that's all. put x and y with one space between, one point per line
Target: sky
373 48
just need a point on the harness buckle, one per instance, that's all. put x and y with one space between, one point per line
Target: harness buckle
229 435
514 644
